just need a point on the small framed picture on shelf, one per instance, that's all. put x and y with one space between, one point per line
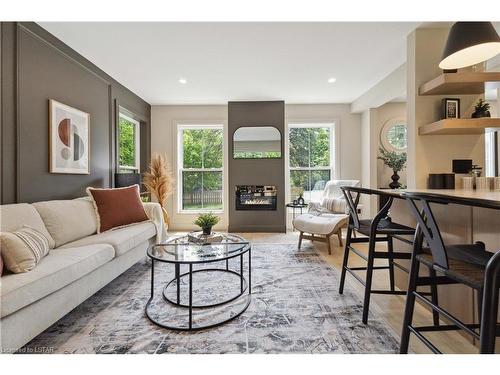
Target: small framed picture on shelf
451 108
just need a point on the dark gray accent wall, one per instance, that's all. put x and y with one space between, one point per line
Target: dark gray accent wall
256 171
36 67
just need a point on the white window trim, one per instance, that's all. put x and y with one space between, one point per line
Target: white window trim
334 167
137 142
180 166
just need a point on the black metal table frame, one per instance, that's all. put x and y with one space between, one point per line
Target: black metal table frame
296 206
244 286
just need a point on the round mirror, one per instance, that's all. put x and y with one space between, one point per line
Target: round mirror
394 135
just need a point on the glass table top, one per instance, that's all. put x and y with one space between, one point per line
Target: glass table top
181 250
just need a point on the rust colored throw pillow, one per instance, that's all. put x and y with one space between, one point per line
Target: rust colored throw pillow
117 207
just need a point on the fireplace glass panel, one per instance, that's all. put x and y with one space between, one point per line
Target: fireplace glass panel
256 197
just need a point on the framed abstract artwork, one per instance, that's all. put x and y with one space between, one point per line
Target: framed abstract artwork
69 138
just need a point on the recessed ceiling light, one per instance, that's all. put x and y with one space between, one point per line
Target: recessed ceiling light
183 81
332 80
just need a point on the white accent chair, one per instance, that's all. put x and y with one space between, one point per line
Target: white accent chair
326 217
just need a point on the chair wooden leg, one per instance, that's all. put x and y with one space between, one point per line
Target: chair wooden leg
300 239
410 305
489 309
328 245
368 282
434 297
346 259
390 250
479 305
339 235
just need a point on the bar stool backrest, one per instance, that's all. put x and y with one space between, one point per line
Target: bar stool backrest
427 222
352 195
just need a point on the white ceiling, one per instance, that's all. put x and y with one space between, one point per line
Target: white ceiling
241 61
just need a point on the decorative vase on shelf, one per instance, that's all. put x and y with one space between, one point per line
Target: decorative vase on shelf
481 109
395 181
481 114
207 231
300 200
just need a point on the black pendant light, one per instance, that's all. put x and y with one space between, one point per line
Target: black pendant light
470 43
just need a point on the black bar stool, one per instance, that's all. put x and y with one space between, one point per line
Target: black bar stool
468 264
379 229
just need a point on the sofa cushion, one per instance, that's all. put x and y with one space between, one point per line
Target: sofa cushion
68 220
15 216
23 249
320 224
122 239
117 207
58 269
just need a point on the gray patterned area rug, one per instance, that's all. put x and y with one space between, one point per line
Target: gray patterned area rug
295 308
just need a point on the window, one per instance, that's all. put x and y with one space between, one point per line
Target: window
200 164
393 135
397 136
492 156
311 159
129 144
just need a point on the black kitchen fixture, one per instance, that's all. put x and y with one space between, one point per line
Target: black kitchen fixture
470 43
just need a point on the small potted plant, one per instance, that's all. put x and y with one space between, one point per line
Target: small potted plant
481 109
299 192
396 161
206 222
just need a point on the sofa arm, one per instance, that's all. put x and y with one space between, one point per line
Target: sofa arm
155 214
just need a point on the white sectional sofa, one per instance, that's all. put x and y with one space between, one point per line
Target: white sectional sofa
80 263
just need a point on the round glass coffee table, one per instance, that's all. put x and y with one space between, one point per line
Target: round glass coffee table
216 292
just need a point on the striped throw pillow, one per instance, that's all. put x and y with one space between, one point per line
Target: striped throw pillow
23 249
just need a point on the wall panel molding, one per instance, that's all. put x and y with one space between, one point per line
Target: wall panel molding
36 67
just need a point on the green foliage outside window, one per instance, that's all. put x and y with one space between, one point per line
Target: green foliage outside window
397 136
202 149
309 148
257 155
126 143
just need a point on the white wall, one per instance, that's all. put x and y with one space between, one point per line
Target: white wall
348 132
164 120
163 139
433 153
368 159
392 87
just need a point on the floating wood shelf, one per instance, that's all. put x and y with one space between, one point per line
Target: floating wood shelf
459 126
468 83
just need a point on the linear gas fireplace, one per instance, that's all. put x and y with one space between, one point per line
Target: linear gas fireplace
256 197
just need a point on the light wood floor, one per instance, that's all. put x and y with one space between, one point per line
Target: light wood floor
391 307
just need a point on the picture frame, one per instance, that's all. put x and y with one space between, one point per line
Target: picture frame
69 139
450 108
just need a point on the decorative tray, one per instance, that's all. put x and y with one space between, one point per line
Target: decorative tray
201 239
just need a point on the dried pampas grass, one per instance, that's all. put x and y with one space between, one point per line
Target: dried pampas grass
159 180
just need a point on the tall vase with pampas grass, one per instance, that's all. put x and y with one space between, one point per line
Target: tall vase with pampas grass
159 181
